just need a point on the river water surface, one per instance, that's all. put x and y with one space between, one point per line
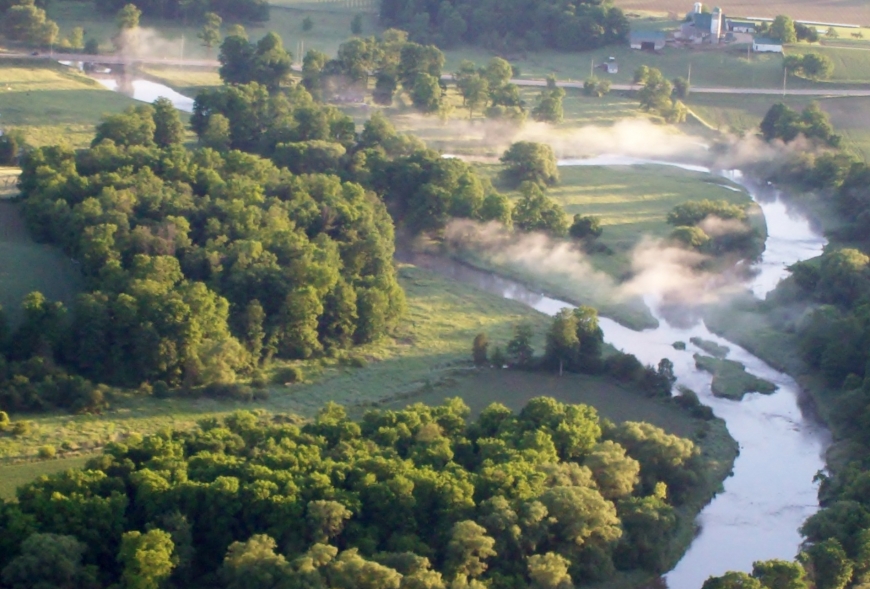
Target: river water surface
771 491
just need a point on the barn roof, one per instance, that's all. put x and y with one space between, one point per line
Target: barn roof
766 41
647 36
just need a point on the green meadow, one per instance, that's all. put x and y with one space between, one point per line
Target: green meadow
51 103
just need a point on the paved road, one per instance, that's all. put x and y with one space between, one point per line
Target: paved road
127 59
113 59
724 90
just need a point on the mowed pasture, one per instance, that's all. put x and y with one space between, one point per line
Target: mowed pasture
27 266
850 116
830 11
50 103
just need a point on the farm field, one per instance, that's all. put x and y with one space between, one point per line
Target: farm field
51 103
837 11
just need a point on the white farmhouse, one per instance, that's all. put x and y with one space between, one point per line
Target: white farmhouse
766 45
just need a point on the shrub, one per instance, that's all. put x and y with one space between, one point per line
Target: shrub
47 452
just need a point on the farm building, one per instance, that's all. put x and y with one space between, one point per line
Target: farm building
647 40
766 45
741 26
703 27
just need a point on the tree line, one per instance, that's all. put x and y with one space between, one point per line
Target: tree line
514 25
575 343
420 497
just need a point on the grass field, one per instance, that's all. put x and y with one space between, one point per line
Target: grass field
26 266
13 476
739 114
51 103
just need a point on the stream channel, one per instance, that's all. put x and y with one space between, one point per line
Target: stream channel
771 491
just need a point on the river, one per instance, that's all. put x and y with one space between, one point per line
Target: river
771 491
117 80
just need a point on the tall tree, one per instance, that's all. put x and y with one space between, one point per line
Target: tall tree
168 128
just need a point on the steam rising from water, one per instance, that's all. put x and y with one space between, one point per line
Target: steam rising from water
659 270
149 42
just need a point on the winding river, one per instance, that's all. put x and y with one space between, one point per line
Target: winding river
771 491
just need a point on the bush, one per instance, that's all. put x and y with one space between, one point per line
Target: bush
688 399
21 428
288 374
47 452
230 391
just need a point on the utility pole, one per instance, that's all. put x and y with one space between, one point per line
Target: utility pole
689 80
182 48
784 75
592 68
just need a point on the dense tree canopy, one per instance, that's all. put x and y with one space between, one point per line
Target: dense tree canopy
201 265
412 498
233 10
576 25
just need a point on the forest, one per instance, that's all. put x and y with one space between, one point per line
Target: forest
273 239
511 25
420 497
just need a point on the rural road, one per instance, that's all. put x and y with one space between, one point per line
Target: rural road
127 59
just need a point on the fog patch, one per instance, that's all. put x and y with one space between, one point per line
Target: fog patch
659 269
717 227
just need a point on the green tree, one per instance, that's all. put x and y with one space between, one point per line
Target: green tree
128 17
356 24
468 549
479 349
307 24
780 574
255 564
732 580
681 87
828 564
655 95
77 38
549 108
615 473
562 340
217 133
519 349
782 29
312 69
529 161
475 92
326 519
586 227
168 128
47 560
549 571
210 33
535 211
426 93
147 559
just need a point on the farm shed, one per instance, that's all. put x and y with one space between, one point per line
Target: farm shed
647 40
